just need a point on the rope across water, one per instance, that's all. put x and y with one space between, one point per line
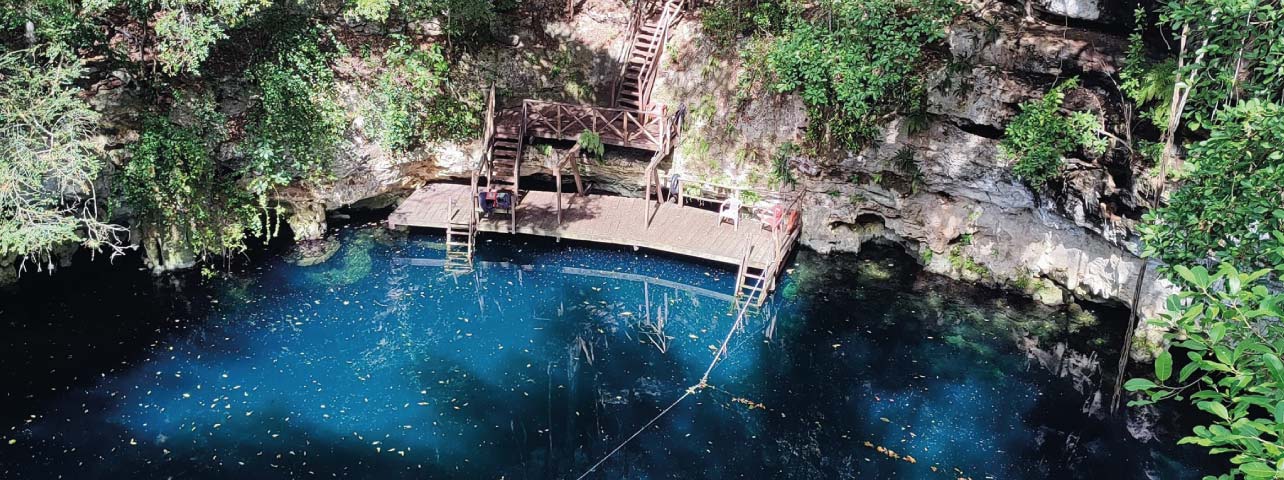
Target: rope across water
701 385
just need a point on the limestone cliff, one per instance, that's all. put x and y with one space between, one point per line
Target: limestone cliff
961 212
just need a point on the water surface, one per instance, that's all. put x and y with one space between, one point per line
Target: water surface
379 363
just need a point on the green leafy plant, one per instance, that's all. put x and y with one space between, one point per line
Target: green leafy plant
591 143
413 105
1147 82
725 22
1231 206
1041 135
173 186
48 159
296 124
781 174
1233 50
853 63
1228 325
905 162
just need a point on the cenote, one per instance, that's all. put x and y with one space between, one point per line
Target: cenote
379 364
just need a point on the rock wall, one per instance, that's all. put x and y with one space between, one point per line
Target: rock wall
965 215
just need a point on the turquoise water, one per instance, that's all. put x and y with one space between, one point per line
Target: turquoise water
379 364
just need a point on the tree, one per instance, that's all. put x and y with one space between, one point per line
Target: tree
1230 207
1228 324
186 30
50 161
297 123
176 192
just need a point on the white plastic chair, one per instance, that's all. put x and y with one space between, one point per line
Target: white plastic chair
730 209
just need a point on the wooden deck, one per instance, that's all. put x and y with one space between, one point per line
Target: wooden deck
603 219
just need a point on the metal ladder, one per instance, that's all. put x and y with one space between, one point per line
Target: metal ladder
460 240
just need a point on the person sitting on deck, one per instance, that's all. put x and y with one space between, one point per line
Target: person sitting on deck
504 200
675 182
485 200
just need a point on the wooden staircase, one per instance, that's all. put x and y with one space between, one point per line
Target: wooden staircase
650 32
500 167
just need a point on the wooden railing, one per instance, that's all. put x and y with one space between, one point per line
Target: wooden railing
635 24
647 80
616 126
488 144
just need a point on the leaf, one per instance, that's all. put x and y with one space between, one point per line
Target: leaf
1277 368
1186 371
1164 366
1216 332
1214 408
1257 469
1136 384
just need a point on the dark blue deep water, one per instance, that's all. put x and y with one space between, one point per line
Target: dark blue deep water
379 364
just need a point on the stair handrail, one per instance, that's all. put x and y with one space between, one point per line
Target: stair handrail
647 82
488 145
635 24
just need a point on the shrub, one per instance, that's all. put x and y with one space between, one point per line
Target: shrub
172 183
1231 206
297 123
413 104
591 143
1041 135
853 63
1228 325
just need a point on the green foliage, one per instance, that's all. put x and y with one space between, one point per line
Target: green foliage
591 143
57 23
297 123
458 18
173 186
853 63
186 30
725 22
1231 207
413 104
1243 57
1228 324
1041 135
781 174
960 262
48 160
1148 83
905 162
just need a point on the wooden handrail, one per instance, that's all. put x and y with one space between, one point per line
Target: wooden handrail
667 18
617 126
488 145
635 24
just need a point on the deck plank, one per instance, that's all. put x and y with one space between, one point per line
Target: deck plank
684 231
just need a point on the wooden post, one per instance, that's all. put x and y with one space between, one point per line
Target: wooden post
557 178
575 171
646 204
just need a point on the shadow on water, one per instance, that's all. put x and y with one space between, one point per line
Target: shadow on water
538 364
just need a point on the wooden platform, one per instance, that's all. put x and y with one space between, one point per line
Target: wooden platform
603 219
